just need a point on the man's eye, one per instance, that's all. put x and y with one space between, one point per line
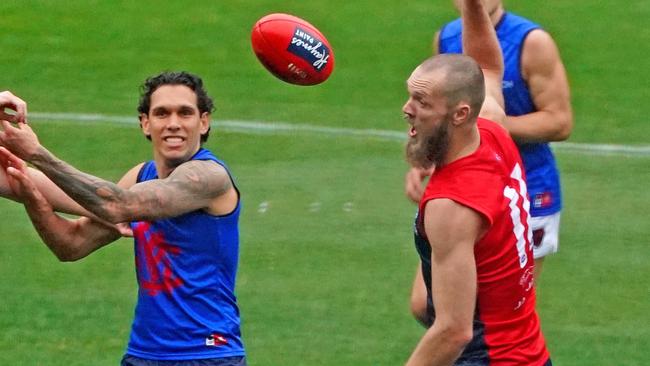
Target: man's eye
186 112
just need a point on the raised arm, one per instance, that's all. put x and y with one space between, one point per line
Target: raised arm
480 42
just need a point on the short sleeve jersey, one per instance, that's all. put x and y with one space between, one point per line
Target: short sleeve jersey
491 182
186 268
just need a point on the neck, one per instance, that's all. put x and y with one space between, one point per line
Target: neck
464 142
496 15
163 169
165 166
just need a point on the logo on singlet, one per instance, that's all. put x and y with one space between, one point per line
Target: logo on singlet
155 272
544 199
215 340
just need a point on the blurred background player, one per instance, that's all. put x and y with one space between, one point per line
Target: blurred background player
183 208
472 228
538 106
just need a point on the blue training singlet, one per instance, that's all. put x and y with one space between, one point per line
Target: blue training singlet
186 268
542 175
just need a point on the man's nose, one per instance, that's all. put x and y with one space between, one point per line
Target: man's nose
407 109
174 121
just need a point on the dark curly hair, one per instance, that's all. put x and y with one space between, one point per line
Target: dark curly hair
204 102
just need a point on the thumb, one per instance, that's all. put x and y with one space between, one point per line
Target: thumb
20 178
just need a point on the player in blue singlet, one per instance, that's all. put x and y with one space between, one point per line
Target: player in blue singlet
183 208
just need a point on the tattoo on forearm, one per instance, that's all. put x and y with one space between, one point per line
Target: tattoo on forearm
91 192
191 186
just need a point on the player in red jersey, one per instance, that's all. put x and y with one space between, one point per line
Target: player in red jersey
472 229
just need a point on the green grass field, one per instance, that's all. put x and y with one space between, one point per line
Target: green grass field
326 269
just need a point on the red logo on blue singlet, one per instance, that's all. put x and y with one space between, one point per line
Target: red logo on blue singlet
153 263
215 340
544 199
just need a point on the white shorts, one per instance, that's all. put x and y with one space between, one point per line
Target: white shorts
546 232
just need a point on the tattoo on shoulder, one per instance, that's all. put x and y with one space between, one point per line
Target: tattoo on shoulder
203 177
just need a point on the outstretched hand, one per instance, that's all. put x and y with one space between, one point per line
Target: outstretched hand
18 180
8 100
24 188
20 139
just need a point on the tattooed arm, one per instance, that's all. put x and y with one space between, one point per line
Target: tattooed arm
54 195
193 185
69 240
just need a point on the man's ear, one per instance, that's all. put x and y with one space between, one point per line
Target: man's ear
144 124
205 123
461 114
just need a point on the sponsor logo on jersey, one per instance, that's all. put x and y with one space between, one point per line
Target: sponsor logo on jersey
507 84
310 48
543 200
215 340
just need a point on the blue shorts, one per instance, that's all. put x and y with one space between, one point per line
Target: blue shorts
129 360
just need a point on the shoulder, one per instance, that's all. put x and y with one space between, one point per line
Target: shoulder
538 40
205 176
539 52
451 29
204 168
130 177
498 139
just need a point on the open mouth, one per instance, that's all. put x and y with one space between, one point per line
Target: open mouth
412 132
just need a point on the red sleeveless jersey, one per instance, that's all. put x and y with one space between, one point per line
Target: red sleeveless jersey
491 181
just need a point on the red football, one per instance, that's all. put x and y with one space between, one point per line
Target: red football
292 49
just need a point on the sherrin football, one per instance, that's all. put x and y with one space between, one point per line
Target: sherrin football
292 49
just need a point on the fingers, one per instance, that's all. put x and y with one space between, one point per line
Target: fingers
20 184
7 159
20 139
8 100
125 230
413 184
414 192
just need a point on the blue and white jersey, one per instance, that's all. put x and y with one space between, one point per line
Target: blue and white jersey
186 268
541 170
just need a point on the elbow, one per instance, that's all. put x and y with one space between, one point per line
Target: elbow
68 251
461 338
67 259
565 132
419 312
68 255
565 126
458 337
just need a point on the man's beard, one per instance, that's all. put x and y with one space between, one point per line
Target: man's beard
431 151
